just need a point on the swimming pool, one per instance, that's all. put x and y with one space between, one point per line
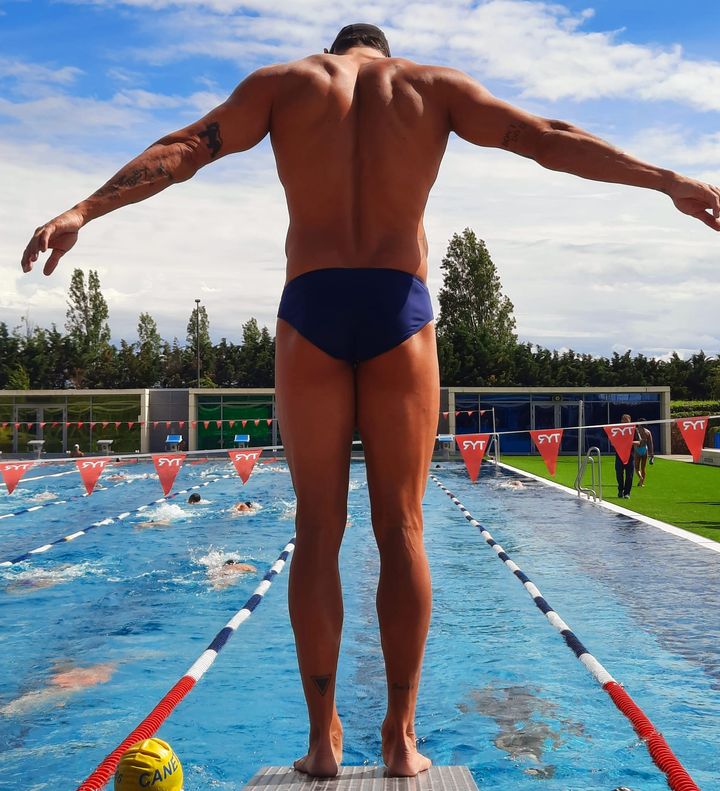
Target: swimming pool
500 692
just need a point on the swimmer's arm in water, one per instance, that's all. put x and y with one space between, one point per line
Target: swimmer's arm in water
479 117
238 124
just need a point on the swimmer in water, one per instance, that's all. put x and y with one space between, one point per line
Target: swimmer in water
227 574
155 523
245 508
194 499
62 684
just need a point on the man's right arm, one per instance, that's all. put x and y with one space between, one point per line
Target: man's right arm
239 123
479 117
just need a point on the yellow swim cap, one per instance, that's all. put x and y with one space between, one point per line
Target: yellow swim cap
150 764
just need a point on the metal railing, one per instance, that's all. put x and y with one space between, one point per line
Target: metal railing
594 491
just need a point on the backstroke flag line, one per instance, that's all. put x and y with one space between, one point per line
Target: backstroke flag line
244 461
621 438
91 470
12 471
473 447
548 441
168 466
693 432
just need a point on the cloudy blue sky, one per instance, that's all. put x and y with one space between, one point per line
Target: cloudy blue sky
85 85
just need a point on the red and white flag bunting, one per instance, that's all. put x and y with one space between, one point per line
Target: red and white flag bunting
244 461
12 471
548 442
473 447
168 466
693 432
91 470
621 438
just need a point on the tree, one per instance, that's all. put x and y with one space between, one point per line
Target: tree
476 325
149 352
88 329
205 344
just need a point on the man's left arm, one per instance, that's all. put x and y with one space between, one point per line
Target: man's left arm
238 124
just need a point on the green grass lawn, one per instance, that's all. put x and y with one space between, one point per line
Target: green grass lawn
685 495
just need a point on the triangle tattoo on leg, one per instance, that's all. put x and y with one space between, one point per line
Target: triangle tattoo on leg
322 683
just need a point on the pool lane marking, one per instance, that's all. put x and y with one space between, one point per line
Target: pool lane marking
68 500
40 477
677 776
104 771
708 543
108 521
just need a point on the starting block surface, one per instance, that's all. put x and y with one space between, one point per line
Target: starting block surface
363 778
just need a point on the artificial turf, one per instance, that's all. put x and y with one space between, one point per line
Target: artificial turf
685 495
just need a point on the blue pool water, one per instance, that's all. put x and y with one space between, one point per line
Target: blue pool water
501 692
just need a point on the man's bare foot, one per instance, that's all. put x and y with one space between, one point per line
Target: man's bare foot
324 757
400 754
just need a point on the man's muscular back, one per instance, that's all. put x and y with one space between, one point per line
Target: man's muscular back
358 144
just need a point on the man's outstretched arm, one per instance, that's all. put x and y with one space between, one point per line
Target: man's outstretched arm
236 125
479 117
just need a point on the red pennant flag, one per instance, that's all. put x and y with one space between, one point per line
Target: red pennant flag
194 423
12 471
55 424
155 423
80 424
131 423
206 423
5 424
17 425
547 441
29 425
244 423
446 414
471 412
167 466
457 413
244 461
482 411
141 423
43 424
104 424
117 424
473 447
621 438
92 425
231 423
256 422
91 470
218 423
182 423
693 431
269 421
168 423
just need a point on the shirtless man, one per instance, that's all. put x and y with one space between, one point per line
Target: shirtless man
358 138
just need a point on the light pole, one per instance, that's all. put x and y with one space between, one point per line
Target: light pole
197 337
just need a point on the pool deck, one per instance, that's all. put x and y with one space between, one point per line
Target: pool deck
364 778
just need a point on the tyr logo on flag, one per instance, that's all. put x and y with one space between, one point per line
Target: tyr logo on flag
621 438
13 471
244 461
168 466
548 443
91 470
473 447
693 432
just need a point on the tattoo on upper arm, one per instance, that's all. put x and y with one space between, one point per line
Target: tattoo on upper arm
512 134
214 141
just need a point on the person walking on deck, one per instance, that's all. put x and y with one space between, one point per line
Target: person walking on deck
358 138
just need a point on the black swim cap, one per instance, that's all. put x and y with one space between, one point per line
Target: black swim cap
230 562
360 35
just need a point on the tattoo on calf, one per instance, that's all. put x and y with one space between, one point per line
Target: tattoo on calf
214 141
401 687
322 683
513 134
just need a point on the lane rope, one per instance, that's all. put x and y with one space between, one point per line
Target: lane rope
677 776
109 521
49 475
104 771
71 499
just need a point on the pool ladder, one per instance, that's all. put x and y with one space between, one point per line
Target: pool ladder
594 492
495 439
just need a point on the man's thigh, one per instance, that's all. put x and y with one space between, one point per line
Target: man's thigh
398 402
316 411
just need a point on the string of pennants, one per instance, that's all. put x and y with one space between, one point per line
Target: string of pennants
467 412
472 447
140 423
167 466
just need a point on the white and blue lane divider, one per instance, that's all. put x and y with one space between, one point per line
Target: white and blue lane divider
110 520
49 475
33 508
104 771
660 752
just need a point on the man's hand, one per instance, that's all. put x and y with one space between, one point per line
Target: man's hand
58 235
699 200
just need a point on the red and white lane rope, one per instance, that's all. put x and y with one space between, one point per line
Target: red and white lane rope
197 670
677 776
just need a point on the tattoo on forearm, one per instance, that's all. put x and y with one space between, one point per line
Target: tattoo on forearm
132 179
513 134
321 682
214 141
